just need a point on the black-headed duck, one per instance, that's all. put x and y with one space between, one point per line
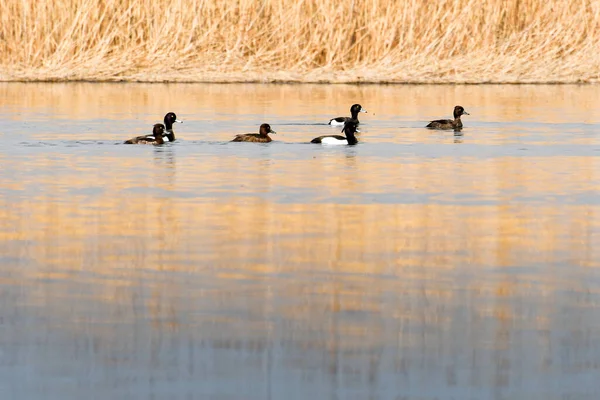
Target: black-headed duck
349 130
354 110
156 138
261 137
171 118
448 123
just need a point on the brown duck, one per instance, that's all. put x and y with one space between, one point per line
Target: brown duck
261 137
156 138
448 123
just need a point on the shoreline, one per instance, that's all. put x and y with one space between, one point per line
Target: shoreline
363 75
236 79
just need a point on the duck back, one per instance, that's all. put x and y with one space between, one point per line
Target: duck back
252 137
329 139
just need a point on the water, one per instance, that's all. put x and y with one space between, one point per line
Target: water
416 265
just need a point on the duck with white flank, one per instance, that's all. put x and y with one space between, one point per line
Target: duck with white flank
354 110
350 138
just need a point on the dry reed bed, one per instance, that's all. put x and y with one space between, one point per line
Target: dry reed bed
301 40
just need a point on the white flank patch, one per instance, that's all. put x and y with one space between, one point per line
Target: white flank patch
332 140
333 122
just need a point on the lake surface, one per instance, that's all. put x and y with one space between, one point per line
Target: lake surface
417 265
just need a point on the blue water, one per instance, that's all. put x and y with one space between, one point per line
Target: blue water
416 265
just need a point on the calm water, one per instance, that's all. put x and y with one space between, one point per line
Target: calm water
416 265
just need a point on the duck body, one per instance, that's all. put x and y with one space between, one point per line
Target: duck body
252 137
455 124
170 118
341 121
332 139
445 124
350 138
261 137
156 138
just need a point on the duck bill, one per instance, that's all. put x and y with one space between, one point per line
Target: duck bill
363 110
466 113
178 120
272 132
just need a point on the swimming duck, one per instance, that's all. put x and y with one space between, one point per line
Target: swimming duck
448 123
156 138
349 130
354 110
262 136
171 118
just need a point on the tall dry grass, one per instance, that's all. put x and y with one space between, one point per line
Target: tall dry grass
301 40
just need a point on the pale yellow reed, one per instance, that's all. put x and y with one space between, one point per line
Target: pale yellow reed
301 40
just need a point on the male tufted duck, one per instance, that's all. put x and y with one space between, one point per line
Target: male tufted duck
349 130
354 110
170 118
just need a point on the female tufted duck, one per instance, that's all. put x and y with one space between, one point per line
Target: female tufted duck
156 138
170 118
448 123
354 110
261 137
349 130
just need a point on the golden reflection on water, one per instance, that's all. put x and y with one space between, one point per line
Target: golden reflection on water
415 264
498 103
120 233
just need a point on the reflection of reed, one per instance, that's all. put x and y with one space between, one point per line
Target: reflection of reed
326 277
246 223
141 105
230 259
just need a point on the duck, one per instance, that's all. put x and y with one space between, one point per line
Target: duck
354 110
158 131
448 123
171 118
349 130
261 137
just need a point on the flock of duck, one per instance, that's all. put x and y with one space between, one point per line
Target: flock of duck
350 128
